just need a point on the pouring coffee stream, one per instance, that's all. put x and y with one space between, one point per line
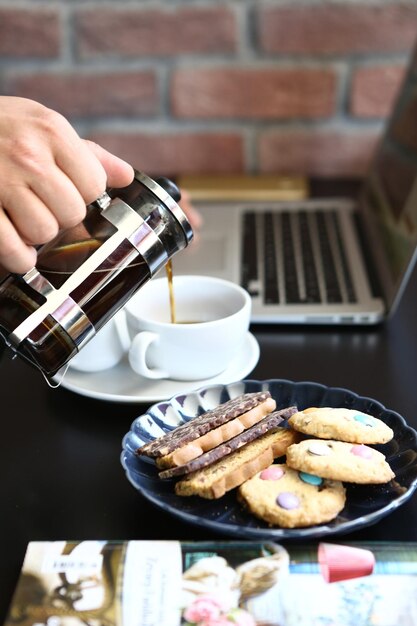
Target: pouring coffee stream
170 278
88 273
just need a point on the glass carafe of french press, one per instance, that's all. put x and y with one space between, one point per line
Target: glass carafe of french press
87 273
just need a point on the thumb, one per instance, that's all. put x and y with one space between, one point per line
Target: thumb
119 173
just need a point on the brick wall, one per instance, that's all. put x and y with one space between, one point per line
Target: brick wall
191 86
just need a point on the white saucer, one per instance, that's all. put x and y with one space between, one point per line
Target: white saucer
121 384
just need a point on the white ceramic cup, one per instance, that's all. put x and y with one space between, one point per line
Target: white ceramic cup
219 312
106 349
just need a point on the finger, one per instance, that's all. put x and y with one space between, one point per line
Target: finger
119 172
75 159
15 255
31 218
193 215
61 197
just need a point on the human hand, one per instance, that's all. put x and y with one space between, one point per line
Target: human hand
194 217
48 175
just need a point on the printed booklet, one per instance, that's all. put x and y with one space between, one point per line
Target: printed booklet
172 583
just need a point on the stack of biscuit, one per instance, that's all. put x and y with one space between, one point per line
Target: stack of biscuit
236 445
309 488
219 450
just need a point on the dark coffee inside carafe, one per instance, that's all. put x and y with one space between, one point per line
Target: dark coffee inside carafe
47 343
112 278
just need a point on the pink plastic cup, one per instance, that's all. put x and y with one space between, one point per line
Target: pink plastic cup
338 562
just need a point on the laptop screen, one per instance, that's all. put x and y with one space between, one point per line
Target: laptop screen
390 193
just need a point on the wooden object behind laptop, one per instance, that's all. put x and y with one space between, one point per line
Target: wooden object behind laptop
240 188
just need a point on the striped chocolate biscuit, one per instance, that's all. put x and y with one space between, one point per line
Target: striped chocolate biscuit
265 425
216 436
215 480
202 424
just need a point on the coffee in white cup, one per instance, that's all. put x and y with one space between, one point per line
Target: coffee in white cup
212 321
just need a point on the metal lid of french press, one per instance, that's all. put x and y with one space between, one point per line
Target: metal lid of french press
167 191
131 227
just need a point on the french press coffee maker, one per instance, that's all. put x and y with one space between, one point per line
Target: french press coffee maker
87 273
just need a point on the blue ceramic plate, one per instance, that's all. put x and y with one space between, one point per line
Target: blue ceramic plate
365 505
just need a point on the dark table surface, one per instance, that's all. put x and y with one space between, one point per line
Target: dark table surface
61 476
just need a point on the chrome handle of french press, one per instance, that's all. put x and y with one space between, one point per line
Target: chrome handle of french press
58 302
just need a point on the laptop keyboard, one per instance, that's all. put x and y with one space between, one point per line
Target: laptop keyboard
295 257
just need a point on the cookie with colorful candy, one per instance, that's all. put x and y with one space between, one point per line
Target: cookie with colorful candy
285 497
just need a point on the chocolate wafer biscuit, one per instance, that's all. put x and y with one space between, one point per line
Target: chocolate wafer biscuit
266 424
216 436
214 481
202 424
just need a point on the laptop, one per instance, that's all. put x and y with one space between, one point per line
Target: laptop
322 261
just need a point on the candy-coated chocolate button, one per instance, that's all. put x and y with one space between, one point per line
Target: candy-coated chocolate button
367 420
288 500
319 449
363 451
273 472
311 479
